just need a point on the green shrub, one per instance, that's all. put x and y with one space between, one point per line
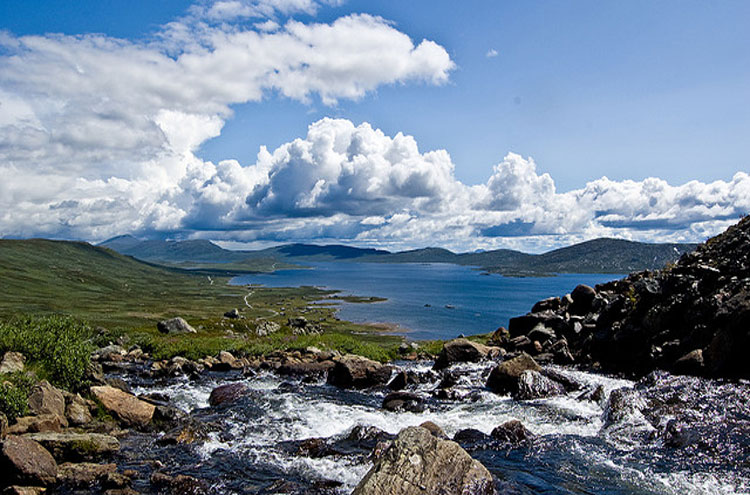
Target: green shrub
57 347
14 394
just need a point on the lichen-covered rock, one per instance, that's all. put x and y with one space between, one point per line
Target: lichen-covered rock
352 371
128 408
46 399
12 362
504 377
69 446
25 462
419 463
175 326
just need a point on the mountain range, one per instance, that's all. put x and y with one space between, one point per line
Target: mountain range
596 256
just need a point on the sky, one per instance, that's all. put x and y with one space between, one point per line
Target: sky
480 125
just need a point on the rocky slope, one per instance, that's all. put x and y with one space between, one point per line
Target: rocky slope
692 317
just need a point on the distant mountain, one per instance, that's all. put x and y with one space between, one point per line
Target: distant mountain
596 256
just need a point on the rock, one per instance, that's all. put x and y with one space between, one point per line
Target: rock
24 490
511 432
38 424
300 326
175 326
3 425
180 484
434 429
225 362
690 364
352 371
12 362
460 351
583 296
541 334
534 385
471 436
399 382
306 369
46 399
128 408
119 384
77 411
549 304
265 327
23 461
419 463
504 377
112 352
83 475
403 401
69 446
232 314
227 393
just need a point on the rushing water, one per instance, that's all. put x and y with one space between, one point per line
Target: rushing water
577 449
428 300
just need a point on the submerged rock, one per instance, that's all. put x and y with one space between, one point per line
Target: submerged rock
24 461
352 371
419 463
403 401
175 326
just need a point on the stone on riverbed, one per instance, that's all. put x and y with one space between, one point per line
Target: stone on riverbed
227 393
403 401
24 461
352 371
419 463
504 377
76 446
128 408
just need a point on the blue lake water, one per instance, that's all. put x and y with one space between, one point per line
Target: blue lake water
428 300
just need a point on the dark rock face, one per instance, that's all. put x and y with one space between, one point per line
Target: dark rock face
690 318
511 432
24 461
505 376
419 463
224 394
351 371
403 401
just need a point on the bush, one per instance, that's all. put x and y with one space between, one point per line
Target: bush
57 347
14 394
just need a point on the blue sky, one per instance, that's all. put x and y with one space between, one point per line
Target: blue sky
577 90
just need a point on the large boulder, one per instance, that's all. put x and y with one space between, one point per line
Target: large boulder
419 463
175 325
504 377
461 351
352 371
23 461
12 362
128 408
69 446
46 399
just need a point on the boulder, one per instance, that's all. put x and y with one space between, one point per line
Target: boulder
175 326
38 424
583 296
112 352
69 446
434 429
24 461
534 385
77 412
227 393
128 408
461 351
352 371
232 314
511 432
403 401
12 362
399 382
265 327
46 399
690 364
84 474
419 463
504 377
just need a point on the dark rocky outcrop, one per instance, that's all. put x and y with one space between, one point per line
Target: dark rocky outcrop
352 371
692 317
417 463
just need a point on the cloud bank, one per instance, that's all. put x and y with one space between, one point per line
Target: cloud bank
98 137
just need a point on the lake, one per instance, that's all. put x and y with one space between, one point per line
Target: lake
428 300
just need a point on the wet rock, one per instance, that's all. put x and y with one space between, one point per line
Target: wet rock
224 394
690 364
511 432
12 362
461 351
175 326
534 385
419 463
307 369
77 411
362 433
128 408
232 314
434 429
504 377
403 401
38 424
46 399
315 448
471 436
399 382
83 475
352 371
70 446
24 461
180 484
189 432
